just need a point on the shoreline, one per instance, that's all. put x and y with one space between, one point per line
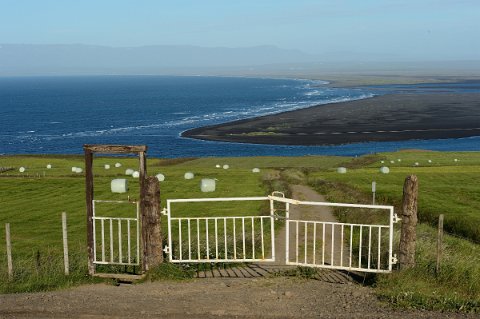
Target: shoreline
384 118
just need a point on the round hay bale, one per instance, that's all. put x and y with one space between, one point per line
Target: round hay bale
384 170
129 171
49 166
74 169
256 170
21 169
118 165
189 175
207 185
160 177
218 166
342 170
136 174
107 166
78 170
119 185
226 166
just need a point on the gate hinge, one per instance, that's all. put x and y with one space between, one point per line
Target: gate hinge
396 219
394 259
166 250
164 212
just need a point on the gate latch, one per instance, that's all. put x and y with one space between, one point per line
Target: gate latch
164 212
396 219
166 250
394 259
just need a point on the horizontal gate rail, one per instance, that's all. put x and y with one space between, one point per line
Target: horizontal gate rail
220 239
119 230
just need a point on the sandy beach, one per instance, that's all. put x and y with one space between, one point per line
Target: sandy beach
392 117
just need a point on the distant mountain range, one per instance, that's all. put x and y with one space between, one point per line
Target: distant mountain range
80 59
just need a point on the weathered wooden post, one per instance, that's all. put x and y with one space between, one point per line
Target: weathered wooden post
151 228
65 244
408 235
89 205
9 251
439 243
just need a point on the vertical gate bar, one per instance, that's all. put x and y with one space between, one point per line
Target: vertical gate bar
216 238
128 241
225 237
287 232
243 235
369 245
332 253
253 239
306 242
351 245
198 238
120 257
323 243
102 221
379 246
111 240
390 245
341 246
234 239
360 248
296 241
314 242
169 222
180 248
189 240
261 232
206 238
272 218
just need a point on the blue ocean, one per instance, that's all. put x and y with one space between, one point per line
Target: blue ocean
57 115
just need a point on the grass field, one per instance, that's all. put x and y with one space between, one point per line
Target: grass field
32 203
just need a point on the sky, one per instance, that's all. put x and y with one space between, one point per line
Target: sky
408 29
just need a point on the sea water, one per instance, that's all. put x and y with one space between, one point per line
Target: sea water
57 115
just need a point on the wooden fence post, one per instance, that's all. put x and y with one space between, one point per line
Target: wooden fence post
408 235
439 243
65 244
9 251
151 228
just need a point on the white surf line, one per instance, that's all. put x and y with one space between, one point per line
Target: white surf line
400 131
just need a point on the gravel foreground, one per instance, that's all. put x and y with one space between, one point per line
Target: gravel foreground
273 297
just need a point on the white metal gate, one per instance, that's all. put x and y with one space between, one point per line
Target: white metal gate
310 243
334 245
116 239
220 239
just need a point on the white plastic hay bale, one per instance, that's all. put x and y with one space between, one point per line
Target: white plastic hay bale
119 185
392 162
49 166
399 160
74 169
218 166
382 162
417 163
118 165
78 170
160 177
21 169
384 170
342 170
129 171
207 185
189 175
226 166
455 160
256 170
107 166
136 174
429 161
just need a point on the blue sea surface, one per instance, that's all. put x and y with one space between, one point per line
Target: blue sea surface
57 115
